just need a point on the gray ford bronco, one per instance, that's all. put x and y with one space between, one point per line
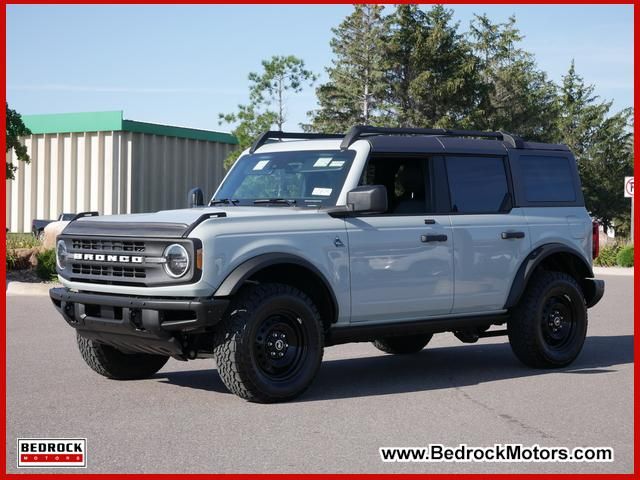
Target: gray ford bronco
383 235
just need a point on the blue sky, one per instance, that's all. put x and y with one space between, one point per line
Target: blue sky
182 65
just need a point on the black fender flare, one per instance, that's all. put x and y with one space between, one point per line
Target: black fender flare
529 264
232 283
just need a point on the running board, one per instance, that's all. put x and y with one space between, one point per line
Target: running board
368 333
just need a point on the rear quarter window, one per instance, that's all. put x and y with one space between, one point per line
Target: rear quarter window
547 179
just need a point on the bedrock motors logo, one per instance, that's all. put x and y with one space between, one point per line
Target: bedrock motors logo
52 452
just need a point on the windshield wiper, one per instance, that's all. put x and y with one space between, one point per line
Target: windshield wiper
274 201
226 201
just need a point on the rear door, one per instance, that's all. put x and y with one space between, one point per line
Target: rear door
401 262
490 237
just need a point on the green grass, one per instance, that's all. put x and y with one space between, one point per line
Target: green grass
16 241
21 240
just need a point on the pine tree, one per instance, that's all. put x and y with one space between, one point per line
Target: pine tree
602 143
446 88
352 94
515 95
431 74
268 95
281 75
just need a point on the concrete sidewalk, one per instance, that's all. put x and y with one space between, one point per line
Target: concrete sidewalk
618 271
27 288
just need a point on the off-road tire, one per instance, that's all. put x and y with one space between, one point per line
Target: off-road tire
241 349
112 363
530 331
402 345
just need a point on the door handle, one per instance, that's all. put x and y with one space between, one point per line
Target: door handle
433 238
429 221
508 235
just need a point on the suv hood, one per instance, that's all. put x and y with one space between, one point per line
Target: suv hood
168 223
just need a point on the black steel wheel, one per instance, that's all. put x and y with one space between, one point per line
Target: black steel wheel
269 346
280 346
549 325
558 322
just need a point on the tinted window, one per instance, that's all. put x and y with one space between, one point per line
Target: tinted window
407 180
477 184
547 179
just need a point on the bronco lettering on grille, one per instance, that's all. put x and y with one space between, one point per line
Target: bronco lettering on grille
92 257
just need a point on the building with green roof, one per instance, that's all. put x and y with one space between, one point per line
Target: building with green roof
99 161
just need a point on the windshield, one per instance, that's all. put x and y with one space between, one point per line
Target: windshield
302 178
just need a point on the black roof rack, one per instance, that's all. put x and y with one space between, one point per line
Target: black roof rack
360 131
277 135
84 214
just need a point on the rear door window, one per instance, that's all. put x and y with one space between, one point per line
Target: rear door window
477 184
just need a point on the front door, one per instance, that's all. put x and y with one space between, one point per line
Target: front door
401 262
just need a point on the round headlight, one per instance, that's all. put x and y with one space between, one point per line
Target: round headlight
61 254
177 260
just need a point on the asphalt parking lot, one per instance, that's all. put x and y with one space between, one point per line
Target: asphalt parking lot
183 419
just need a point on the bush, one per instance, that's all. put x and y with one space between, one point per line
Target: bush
20 247
46 268
12 259
625 256
608 255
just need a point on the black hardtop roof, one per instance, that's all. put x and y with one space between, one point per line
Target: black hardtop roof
441 144
431 140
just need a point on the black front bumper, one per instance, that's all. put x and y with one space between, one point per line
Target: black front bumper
138 324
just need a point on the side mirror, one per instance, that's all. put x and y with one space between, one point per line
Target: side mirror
195 198
367 199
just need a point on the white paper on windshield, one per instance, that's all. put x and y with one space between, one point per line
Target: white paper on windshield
322 192
323 162
337 163
261 164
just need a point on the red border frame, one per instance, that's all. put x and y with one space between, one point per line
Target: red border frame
636 342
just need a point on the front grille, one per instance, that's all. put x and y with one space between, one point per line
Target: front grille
121 260
107 245
108 270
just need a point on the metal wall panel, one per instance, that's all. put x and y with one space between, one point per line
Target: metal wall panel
164 169
111 172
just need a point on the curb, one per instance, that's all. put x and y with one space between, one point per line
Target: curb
26 288
617 271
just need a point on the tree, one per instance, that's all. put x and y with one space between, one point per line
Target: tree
430 70
602 143
431 73
281 75
515 95
353 92
15 130
249 124
446 88
268 95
